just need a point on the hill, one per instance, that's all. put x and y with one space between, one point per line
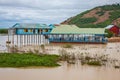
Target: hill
97 17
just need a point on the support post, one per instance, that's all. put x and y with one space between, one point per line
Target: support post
17 40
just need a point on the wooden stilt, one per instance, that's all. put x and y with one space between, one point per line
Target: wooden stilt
28 39
20 40
24 39
43 39
8 34
8 41
13 38
38 40
34 39
17 40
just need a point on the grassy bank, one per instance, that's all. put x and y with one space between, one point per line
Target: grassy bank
25 60
3 31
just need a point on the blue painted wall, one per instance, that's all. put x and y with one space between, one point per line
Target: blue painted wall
34 31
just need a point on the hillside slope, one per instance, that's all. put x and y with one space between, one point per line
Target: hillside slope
98 17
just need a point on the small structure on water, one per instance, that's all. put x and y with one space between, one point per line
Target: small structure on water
37 34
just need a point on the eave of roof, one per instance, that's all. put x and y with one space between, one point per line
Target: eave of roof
109 26
30 25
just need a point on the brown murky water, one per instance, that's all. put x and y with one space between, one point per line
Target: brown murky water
67 71
64 72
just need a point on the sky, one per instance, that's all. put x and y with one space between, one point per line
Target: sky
44 11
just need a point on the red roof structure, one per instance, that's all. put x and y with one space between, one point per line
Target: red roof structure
113 28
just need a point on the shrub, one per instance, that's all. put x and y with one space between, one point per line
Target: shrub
111 7
109 33
94 63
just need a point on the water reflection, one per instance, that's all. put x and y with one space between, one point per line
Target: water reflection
64 72
3 39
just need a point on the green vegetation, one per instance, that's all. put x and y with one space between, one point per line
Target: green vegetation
109 33
100 13
87 25
75 19
115 14
27 59
94 63
30 59
83 20
110 7
3 31
89 22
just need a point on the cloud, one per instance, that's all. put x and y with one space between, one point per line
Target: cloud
44 11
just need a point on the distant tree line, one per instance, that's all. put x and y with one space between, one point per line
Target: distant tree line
3 31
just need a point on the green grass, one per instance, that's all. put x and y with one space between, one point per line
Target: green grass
27 59
3 31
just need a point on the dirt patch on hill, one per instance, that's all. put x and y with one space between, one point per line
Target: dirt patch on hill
92 13
116 22
101 18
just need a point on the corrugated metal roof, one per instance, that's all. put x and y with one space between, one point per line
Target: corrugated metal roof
109 26
72 29
30 25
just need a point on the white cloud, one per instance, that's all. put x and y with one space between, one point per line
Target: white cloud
45 11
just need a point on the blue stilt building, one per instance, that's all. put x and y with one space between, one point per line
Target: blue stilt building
36 34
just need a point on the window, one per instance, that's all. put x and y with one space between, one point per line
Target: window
25 30
31 30
40 30
46 30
